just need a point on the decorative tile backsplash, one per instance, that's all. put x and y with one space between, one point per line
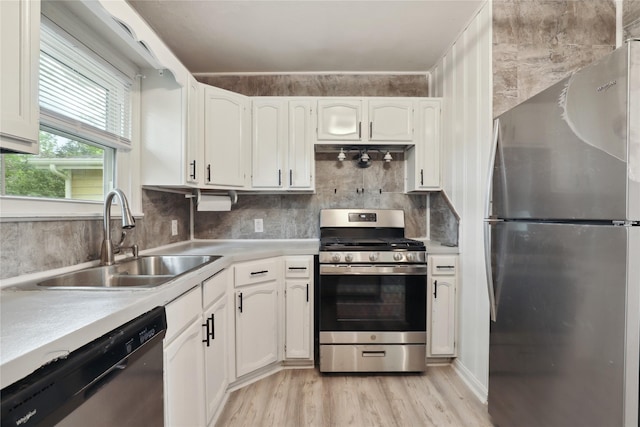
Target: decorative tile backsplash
338 185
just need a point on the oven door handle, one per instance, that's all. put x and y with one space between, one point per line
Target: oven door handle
380 270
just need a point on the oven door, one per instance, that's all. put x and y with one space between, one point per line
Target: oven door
372 304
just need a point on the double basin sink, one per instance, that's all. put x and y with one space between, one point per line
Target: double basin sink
140 272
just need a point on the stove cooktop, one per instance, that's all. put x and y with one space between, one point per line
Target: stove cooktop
373 244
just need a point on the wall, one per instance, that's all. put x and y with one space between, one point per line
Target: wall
537 43
631 19
296 216
33 246
463 78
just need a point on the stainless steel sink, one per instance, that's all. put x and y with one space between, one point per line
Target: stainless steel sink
142 272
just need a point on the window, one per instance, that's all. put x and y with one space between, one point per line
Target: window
84 118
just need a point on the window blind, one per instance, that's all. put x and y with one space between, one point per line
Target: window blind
82 96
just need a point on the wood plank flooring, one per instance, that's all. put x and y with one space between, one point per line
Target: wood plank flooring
304 397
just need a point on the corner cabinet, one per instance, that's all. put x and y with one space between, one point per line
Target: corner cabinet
366 120
442 303
423 159
282 144
256 314
298 272
20 47
227 139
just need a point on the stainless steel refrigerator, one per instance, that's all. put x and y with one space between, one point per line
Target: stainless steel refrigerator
562 240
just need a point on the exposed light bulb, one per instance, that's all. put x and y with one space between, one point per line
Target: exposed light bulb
387 157
365 157
341 155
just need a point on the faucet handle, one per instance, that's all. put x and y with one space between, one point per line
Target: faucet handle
122 237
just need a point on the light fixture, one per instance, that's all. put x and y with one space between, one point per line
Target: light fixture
341 155
364 157
387 157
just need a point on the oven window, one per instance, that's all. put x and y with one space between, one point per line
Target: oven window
372 303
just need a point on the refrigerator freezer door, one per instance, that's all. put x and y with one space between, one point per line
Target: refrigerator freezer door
557 348
563 154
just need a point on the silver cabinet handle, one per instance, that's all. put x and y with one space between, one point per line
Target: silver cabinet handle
489 270
379 353
370 130
359 130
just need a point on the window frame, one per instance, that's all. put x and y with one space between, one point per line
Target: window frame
127 161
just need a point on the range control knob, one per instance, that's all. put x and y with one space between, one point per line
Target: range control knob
335 257
411 257
397 256
373 256
348 257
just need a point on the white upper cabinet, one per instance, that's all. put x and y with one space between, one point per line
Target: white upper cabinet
171 135
339 120
366 120
227 138
282 144
20 47
194 152
269 142
300 157
423 159
390 120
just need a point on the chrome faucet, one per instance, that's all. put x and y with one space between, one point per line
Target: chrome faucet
108 249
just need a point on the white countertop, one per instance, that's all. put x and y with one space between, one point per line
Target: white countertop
39 326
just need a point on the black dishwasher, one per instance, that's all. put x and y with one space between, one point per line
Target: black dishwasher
115 380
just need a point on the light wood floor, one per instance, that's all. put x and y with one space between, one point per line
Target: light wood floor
304 397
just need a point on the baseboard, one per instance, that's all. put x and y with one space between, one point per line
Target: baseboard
471 381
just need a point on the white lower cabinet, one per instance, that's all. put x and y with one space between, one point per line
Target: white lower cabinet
442 306
183 362
298 307
215 340
256 299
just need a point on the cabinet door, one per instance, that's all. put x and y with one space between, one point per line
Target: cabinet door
19 73
256 327
195 132
269 143
300 155
423 159
226 136
339 120
183 379
390 120
298 319
443 317
215 355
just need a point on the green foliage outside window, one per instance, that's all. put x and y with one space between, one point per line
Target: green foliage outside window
23 178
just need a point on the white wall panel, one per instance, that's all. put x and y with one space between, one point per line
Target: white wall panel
464 80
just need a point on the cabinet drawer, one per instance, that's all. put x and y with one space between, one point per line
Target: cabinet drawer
214 287
182 311
443 265
297 267
256 272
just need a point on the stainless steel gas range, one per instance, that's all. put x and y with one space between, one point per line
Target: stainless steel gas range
372 293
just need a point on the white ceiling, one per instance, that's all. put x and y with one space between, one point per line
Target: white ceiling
307 36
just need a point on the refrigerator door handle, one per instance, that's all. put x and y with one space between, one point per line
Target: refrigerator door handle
489 269
492 164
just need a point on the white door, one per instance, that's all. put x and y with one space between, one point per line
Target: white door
215 355
183 379
298 322
390 120
256 327
443 320
19 73
339 120
301 161
226 135
269 143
